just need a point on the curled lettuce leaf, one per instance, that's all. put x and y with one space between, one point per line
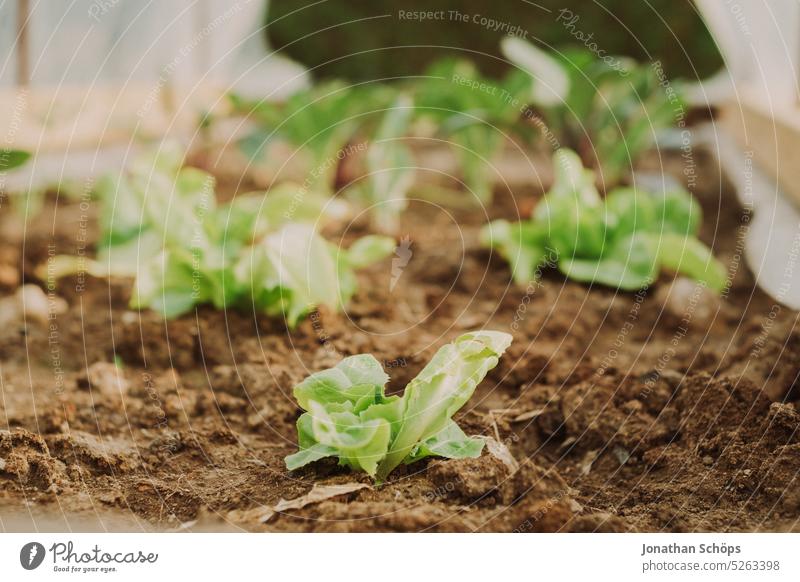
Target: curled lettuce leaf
295 270
450 443
349 416
690 257
441 389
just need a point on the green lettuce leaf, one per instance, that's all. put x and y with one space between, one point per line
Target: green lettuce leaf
688 256
441 389
622 241
10 159
680 213
450 443
523 245
350 380
631 264
349 416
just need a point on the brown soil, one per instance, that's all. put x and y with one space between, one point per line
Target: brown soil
623 411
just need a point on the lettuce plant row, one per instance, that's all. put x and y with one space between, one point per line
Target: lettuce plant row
161 223
610 111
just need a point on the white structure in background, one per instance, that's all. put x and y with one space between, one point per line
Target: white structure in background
93 73
90 42
760 43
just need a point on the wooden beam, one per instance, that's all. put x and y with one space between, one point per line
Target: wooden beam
772 134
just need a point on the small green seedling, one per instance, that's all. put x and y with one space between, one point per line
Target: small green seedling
621 241
476 114
610 110
349 416
161 223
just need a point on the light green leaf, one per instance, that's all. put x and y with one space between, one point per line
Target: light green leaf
631 264
450 443
521 244
167 284
479 143
690 257
303 264
441 389
126 258
360 444
680 213
391 166
629 211
308 455
349 381
60 266
369 249
551 83
249 217
572 180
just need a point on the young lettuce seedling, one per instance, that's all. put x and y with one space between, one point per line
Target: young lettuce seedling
318 122
390 166
622 241
349 416
475 113
607 109
161 224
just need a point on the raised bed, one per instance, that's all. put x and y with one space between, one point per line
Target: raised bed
649 411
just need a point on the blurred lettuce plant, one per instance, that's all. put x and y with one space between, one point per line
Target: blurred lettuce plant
476 114
621 241
609 110
161 223
318 122
390 168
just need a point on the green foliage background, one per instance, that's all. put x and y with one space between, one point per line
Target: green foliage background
342 38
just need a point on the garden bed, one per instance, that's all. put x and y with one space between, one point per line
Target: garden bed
621 411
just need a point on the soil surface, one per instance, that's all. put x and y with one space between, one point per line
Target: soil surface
664 410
